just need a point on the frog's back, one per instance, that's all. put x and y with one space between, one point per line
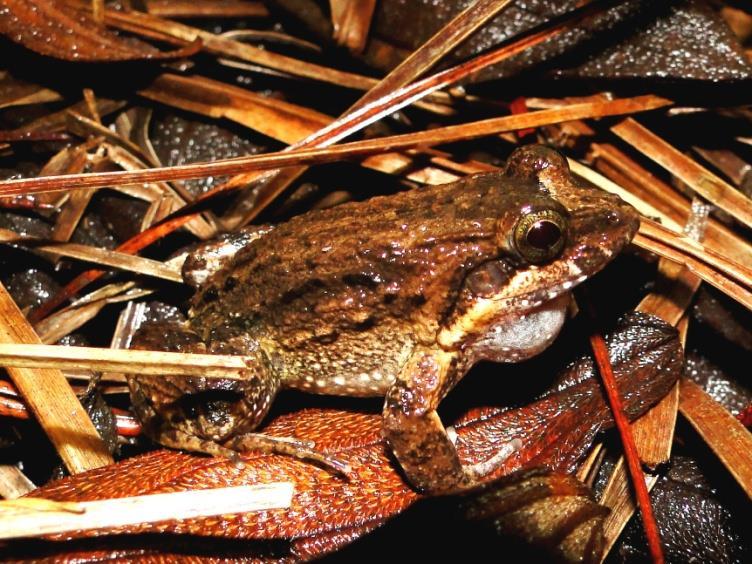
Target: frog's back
357 285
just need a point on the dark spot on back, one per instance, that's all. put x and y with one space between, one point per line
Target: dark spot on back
210 295
418 299
230 283
326 338
366 324
298 292
361 279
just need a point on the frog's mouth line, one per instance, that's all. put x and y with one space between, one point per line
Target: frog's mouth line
529 311
539 294
604 231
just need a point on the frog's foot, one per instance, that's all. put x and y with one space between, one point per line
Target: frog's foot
290 447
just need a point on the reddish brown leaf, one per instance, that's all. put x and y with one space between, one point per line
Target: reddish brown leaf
555 431
50 29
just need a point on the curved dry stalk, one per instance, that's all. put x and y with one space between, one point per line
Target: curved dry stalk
307 156
707 273
739 272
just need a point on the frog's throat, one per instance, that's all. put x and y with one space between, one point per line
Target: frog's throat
519 337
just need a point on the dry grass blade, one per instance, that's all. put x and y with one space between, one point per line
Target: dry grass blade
49 396
722 432
700 179
732 269
676 287
149 25
277 119
64 322
351 21
428 54
116 360
14 92
206 8
472 130
25 518
70 215
13 482
101 257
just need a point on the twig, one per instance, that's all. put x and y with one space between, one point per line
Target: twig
630 450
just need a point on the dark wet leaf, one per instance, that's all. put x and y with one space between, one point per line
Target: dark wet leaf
698 520
676 39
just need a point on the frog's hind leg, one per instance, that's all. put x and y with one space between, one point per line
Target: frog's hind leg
418 439
290 447
230 449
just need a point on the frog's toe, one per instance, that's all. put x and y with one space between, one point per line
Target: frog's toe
476 472
297 443
289 446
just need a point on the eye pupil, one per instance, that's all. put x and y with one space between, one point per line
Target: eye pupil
543 234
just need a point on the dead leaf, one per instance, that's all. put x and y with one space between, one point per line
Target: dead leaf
50 29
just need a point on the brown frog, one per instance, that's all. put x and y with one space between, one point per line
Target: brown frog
396 296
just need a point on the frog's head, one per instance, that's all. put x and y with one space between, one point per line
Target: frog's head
559 233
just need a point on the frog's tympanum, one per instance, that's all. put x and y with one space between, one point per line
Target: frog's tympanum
396 296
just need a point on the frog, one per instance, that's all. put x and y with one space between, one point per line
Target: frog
394 297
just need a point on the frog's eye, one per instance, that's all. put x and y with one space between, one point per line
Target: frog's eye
539 236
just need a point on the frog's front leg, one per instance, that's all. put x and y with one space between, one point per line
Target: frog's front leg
415 433
211 256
